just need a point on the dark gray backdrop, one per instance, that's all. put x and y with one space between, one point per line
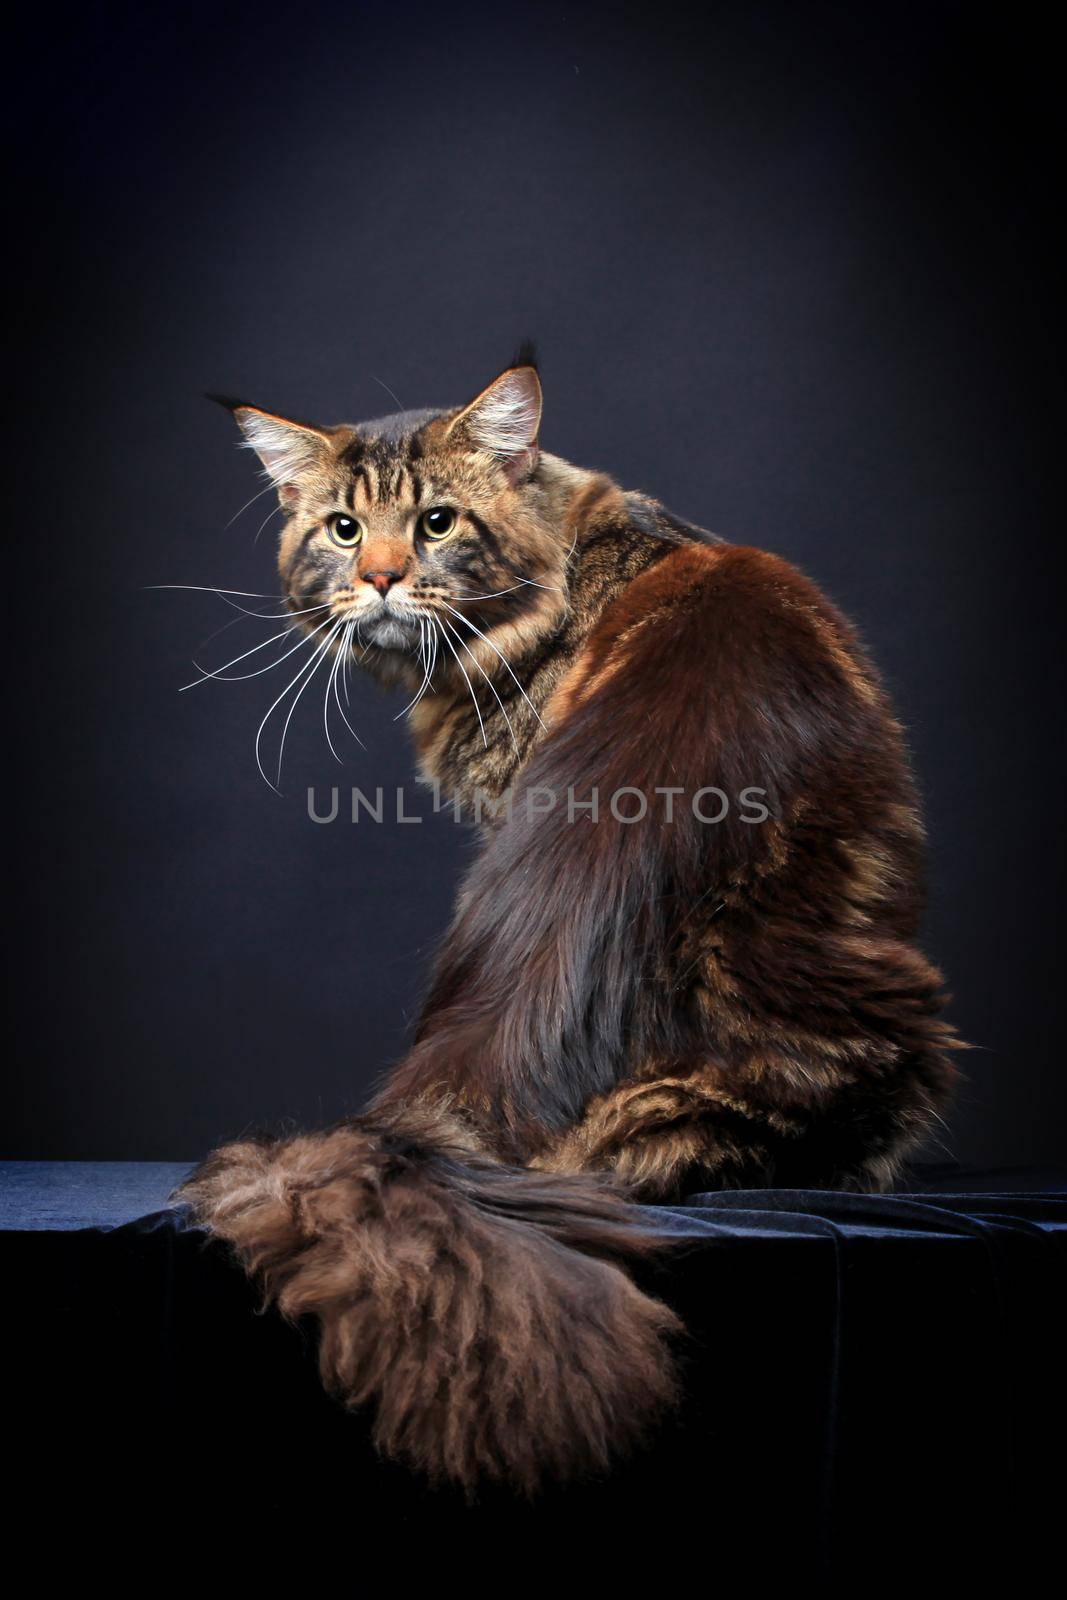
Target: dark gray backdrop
787 270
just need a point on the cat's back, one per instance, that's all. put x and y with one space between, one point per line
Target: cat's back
735 617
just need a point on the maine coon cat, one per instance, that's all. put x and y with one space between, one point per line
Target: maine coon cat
630 1004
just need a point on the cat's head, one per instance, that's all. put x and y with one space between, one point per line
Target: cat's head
416 521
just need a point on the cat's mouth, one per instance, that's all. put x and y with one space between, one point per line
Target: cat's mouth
389 627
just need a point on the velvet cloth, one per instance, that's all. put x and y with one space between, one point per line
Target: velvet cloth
873 1388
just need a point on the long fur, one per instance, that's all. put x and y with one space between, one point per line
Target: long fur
770 963
669 1004
484 1313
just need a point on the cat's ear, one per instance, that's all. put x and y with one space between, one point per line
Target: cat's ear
505 420
289 451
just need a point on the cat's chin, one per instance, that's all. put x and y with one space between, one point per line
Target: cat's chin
388 650
390 633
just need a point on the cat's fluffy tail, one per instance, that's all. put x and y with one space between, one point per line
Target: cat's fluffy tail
483 1312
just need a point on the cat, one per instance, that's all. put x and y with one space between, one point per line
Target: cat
630 1005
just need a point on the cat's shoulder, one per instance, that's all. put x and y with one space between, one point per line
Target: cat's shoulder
706 578
732 612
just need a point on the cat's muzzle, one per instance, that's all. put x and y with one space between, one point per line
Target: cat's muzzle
390 628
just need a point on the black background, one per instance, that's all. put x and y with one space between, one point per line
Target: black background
788 270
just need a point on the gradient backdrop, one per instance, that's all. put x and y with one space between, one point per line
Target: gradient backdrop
787 271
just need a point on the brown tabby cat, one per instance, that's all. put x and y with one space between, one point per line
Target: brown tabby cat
633 1001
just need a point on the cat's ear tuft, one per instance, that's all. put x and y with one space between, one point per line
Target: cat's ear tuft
526 355
505 420
289 451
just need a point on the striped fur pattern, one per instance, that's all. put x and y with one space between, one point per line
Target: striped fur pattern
656 1006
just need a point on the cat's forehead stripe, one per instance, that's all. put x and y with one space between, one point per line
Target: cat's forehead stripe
377 480
378 460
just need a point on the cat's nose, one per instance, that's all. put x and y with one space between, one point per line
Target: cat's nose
383 579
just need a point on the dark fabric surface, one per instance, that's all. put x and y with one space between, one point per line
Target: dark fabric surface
872 1386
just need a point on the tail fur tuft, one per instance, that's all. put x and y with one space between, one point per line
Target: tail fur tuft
485 1312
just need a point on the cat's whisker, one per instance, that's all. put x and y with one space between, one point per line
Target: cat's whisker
346 650
554 588
419 659
431 652
272 513
341 656
348 660
489 681
274 616
246 594
218 672
392 395
316 663
240 677
206 588
557 588
359 638
424 662
219 631
274 705
305 611
257 496
326 708
426 656
466 680
497 653
496 593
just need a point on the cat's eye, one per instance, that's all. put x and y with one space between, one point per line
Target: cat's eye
437 523
345 531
